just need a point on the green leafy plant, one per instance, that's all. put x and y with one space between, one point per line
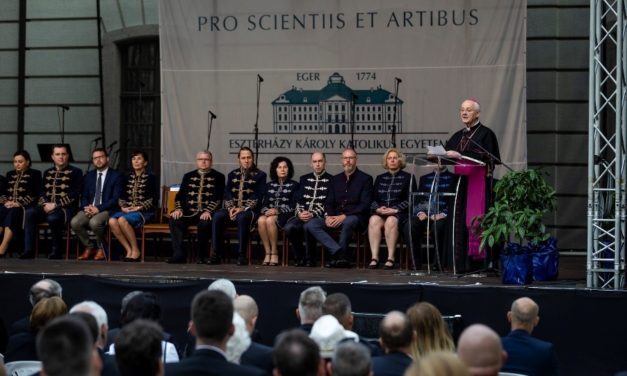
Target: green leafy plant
522 200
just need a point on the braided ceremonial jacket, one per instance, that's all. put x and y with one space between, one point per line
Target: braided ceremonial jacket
445 181
244 189
140 190
392 191
22 187
200 192
61 186
280 196
312 193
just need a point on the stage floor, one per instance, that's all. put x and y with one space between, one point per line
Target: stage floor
572 272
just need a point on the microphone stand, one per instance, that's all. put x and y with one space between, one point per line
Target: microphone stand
353 98
210 117
397 82
256 129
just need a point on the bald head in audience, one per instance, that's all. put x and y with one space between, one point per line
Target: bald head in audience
479 347
248 309
524 314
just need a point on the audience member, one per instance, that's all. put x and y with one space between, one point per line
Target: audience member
350 359
438 363
432 333
139 349
310 198
224 285
310 307
22 346
396 336
113 333
211 324
239 341
45 288
65 348
257 354
479 347
295 354
327 332
146 306
347 209
526 354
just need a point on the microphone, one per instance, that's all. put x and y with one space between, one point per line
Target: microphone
213 116
260 78
66 108
398 80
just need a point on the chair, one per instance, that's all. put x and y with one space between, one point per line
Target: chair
44 227
23 367
168 195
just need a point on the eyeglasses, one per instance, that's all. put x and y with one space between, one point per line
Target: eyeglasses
348 158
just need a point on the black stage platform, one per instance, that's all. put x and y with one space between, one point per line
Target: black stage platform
588 327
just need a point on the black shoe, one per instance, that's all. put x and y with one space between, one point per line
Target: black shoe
310 264
27 255
299 263
130 259
330 264
342 263
201 261
176 260
214 260
242 261
54 256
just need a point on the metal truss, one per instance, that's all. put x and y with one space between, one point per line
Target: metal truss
607 119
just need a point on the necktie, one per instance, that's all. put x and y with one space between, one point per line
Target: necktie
98 196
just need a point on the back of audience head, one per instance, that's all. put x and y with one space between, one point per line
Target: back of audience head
432 333
480 348
65 348
295 354
99 314
212 315
247 308
396 333
127 298
91 323
46 288
350 359
45 310
138 349
224 285
339 305
327 332
524 314
310 304
141 306
239 341
438 363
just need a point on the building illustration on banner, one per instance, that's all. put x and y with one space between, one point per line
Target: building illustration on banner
331 109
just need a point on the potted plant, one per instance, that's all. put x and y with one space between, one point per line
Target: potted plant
522 199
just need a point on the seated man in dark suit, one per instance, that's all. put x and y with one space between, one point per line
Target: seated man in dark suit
396 335
526 354
212 325
347 208
257 355
101 191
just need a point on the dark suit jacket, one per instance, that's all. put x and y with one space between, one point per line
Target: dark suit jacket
529 355
207 362
20 326
259 356
111 189
392 364
109 364
22 346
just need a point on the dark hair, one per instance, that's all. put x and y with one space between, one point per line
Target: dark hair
65 347
91 322
102 150
139 152
396 335
24 154
337 305
212 314
295 354
246 148
275 163
142 306
138 348
60 146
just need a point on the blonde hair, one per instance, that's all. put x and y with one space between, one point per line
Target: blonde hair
401 158
438 363
432 333
45 310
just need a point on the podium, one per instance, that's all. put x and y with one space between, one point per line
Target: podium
471 169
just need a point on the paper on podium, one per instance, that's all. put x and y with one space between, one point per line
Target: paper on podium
439 151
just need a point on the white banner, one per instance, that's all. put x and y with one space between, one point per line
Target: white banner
331 66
